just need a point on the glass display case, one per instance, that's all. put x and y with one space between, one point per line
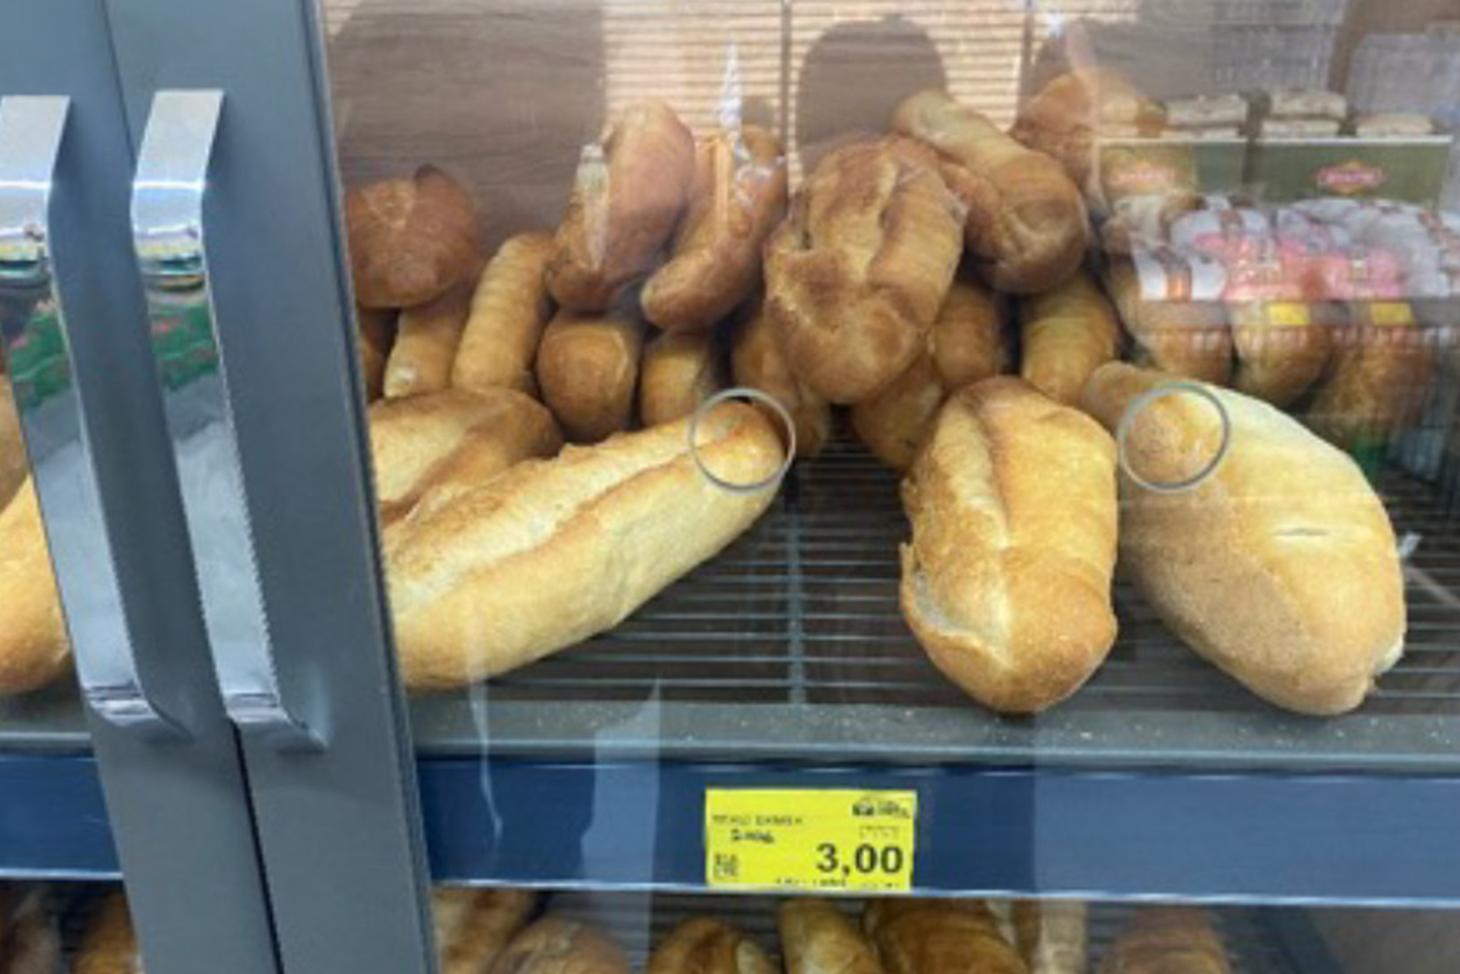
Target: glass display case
692 458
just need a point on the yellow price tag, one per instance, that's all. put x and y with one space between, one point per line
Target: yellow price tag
1287 314
1391 313
810 839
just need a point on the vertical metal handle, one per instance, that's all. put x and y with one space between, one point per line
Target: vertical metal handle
52 415
168 234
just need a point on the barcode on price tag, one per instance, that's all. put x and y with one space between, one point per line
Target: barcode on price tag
810 839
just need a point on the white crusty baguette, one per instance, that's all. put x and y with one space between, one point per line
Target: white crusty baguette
555 551
1006 583
1280 566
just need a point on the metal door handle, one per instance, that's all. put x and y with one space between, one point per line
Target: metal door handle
52 414
168 235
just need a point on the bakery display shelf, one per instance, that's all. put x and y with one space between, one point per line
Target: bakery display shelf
790 645
1258 941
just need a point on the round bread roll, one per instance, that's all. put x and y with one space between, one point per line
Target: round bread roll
410 239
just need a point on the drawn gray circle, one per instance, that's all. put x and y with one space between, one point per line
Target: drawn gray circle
744 392
1127 419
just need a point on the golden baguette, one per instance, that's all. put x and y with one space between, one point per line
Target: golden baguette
473 926
33 645
555 551
1281 348
758 362
588 368
13 464
426 339
817 939
375 336
678 374
1065 335
1376 382
938 937
509 310
701 945
1280 566
555 945
1006 582
109 944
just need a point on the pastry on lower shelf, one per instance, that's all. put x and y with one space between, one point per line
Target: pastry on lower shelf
701 945
817 938
924 936
855 276
1006 581
556 945
555 551
509 310
1275 560
473 926
109 945
1188 337
680 371
1377 378
33 646
1026 225
29 941
1168 940
1065 335
411 239
588 369
758 362
426 339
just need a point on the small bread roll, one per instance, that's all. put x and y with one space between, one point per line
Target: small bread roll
554 945
453 437
29 942
757 362
109 945
1377 377
1069 114
705 946
856 275
629 192
817 939
1167 939
587 369
411 240
509 311
1026 226
474 926
1189 338
425 344
1051 935
679 373
33 646
1279 566
739 196
967 343
942 936
1281 348
13 464
1065 335
1006 582
376 335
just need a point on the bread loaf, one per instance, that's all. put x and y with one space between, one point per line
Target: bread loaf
1006 583
13 463
758 362
109 945
938 937
1050 935
33 645
1190 338
1279 566
1281 348
29 942
856 275
509 310
679 373
738 198
555 551
701 945
453 437
967 343
1377 377
1168 940
375 336
1069 114
555 945
817 939
425 344
630 190
588 369
474 926
1065 335
1026 226
411 240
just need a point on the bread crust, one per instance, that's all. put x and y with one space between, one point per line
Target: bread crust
509 310
555 945
34 649
555 551
1026 224
588 371
817 939
1051 935
1278 361
1280 567
757 361
1189 338
1376 378
1006 582
679 372
376 335
411 239
701 945
1065 335
856 275
109 945
1068 114
920 936
629 193
29 941
1168 940
738 197
473 926
426 340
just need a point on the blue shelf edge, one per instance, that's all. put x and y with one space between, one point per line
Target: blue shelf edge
1147 835
53 819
